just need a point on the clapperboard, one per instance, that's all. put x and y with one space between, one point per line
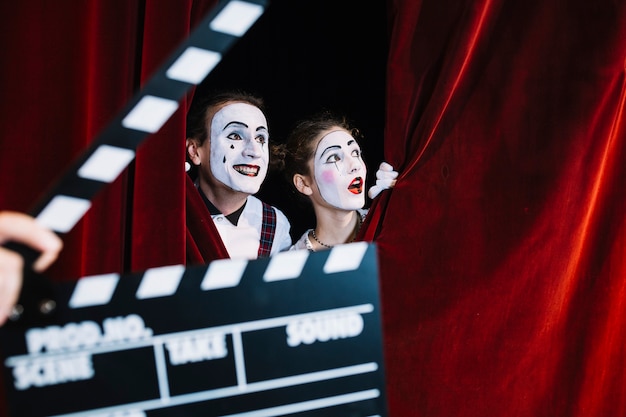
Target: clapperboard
297 334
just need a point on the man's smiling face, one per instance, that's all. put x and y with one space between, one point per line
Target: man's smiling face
239 147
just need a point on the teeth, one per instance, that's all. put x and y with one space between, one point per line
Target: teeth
356 182
356 186
249 170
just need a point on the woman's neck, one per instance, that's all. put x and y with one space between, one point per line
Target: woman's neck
335 227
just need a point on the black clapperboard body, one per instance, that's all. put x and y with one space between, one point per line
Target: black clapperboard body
297 334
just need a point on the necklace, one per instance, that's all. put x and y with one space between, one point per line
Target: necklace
319 241
356 230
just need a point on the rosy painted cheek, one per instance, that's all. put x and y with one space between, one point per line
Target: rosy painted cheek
327 177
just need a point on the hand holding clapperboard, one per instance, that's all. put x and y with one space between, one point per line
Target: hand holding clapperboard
296 334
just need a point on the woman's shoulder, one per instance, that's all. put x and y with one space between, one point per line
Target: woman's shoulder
303 242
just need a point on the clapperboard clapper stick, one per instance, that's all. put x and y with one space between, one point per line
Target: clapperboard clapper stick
111 152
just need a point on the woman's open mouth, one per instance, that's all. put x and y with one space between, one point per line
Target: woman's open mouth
356 186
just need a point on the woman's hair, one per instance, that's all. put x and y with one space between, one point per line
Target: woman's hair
203 106
294 155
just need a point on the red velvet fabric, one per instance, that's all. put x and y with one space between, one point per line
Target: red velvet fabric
502 245
57 96
203 242
68 70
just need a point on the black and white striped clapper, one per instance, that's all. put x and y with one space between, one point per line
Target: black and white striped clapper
114 149
297 334
108 155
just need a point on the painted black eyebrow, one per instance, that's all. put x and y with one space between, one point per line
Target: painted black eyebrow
329 148
350 142
235 123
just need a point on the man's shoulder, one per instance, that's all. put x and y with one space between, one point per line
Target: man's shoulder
256 204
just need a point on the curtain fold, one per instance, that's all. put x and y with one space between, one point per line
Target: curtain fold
72 68
60 66
202 238
501 246
69 68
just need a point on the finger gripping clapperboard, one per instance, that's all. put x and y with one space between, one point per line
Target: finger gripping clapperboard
297 334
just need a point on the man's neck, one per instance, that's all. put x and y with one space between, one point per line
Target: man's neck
225 199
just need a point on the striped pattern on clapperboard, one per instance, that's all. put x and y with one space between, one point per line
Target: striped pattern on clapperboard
111 152
297 334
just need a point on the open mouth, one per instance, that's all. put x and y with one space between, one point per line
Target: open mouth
247 170
356 186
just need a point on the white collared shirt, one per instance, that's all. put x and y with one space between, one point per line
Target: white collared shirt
242 240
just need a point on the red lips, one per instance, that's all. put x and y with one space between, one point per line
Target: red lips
247 170
356 186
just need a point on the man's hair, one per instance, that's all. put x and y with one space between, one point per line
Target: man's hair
201 107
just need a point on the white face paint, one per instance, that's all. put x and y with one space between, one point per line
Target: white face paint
340 171
239 147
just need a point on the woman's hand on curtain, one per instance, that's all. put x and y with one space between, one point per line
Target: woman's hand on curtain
385 179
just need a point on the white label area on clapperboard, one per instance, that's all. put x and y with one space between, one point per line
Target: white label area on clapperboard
230 339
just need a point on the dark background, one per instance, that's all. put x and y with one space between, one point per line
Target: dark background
303 56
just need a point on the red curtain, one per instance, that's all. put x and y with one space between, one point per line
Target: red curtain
502 246
67 70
